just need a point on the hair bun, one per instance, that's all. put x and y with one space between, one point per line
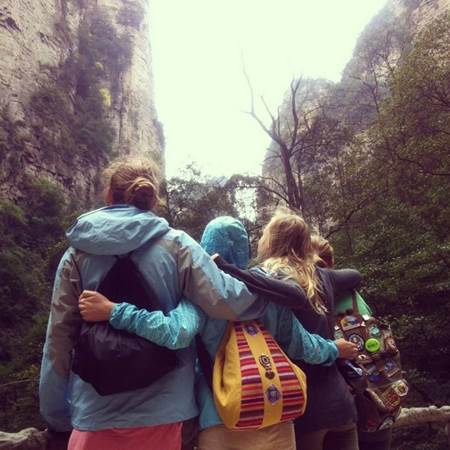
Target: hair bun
140 193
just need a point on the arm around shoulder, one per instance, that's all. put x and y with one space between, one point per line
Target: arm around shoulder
289 294
175 330
311 348
344 279
217 293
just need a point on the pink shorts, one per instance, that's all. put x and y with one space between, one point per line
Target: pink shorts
167 437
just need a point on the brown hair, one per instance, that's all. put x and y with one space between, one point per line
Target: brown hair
323 251
285 247
134 181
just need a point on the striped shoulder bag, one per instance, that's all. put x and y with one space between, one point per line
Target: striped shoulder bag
255 384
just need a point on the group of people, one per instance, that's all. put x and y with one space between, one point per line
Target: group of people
198 300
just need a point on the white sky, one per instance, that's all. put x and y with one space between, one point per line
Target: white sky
200 91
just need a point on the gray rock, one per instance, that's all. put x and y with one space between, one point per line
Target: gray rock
38 40
27 439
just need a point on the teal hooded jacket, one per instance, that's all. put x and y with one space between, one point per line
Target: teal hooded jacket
175 266
177 329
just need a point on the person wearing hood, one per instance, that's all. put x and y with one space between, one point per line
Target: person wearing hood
227 237
175 266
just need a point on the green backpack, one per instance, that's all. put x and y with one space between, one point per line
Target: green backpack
375 376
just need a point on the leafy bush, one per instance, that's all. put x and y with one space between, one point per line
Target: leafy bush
31 239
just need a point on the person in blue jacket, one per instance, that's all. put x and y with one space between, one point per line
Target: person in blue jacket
228 237
175 266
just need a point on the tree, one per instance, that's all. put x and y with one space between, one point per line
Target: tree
378 188
192 200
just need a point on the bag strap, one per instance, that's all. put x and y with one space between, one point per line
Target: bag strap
204 360
77 268
355 303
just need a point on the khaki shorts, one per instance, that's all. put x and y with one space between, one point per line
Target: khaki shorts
276 437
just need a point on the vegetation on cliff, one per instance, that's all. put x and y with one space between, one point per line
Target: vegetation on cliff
75 106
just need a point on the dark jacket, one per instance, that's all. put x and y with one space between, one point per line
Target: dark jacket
330 403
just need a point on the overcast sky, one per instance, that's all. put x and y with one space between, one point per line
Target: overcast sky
200 91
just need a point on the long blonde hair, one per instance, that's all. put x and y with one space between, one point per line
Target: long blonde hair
134 181
285 248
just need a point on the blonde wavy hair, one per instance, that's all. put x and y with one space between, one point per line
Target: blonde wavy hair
134 181
285 249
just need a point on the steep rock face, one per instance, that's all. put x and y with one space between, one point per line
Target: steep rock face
422 11
380 48
76 90
134 115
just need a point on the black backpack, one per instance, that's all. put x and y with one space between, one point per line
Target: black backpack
113 360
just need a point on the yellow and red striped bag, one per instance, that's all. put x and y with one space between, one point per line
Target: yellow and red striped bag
255 384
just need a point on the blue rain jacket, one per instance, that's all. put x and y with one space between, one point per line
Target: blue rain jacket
175 266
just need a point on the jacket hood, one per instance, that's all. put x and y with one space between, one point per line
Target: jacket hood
115 230
228 237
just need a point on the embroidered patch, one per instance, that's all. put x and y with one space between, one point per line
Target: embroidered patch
373 345
338 334
349 322
401 388
363 358
374 331
264 360
375 377
390 398
357 340
273 394
390 367
251 329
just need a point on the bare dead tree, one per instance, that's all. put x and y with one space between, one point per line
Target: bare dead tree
286 144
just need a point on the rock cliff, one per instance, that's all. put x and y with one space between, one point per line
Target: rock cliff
353 101
76 90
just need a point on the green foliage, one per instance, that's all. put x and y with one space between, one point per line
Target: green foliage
11 141
99 42
31 239
106 97
420 438
78 125
192 201
381 196
19 401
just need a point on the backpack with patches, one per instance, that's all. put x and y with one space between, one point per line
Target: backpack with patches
376 376
255 385
113 360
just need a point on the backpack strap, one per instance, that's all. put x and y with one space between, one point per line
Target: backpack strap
77 268
355 303
205 361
